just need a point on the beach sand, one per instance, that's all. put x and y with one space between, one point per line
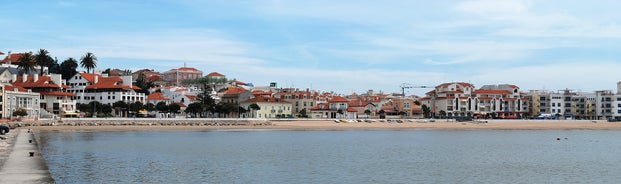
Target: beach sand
331 125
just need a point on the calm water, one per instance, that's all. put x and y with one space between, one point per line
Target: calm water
355 156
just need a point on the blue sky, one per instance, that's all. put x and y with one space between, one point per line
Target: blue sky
343 46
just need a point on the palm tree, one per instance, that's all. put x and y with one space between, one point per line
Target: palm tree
88 61
26 62
42 59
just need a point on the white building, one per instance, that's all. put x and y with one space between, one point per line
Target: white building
270 107
15 98
106 90
54 100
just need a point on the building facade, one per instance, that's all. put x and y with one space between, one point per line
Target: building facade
101 88
176 76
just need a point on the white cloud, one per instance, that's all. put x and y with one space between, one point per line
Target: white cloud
195 46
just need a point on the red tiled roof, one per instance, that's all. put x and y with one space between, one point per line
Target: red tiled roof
12 88
215 74
261 92
56 93
188 69
89 77
318 107
338 99
180 104
1 53
192 97
155 78
14 58
485 98
234 90
156 96
42 82
350 109
109 83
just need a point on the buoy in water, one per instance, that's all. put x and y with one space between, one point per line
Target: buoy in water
558 138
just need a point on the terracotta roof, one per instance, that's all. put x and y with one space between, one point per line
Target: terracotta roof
57 93
12 88
188 69
155 78
484 98
14 58
265 99
180 104
156 96
234 90
89 77
1 53
110 83
192 97
338 99
215 74
42 82
261 92
350 109
325 106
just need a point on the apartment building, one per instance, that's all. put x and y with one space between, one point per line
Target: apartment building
176 76
460 99
54 98
270 107
89 87
14 98
300 100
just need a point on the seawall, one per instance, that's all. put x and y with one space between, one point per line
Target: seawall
25 163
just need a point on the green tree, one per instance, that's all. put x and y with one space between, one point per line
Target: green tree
194 108
303 113
26 62
20 112
88 61
161 107
426 111
174 108
95 107
143 83
105 109
54 67
43 59
136 107
85 108
150 106
68 68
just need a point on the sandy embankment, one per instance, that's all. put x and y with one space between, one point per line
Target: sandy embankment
331 125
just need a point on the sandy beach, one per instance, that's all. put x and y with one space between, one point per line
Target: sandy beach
331 125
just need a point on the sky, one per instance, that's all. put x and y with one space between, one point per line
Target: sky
345 46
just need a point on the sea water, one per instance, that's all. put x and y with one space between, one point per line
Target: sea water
346 156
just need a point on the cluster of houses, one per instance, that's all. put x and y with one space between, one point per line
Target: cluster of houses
49 95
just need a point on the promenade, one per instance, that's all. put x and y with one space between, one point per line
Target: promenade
20 167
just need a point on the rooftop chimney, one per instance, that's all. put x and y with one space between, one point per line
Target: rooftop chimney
96 79
36 77
24 77
14 78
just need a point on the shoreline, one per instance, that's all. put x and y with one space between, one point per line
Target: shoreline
233 124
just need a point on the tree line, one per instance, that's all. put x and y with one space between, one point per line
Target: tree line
68 68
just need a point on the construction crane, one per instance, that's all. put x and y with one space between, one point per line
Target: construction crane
408 86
